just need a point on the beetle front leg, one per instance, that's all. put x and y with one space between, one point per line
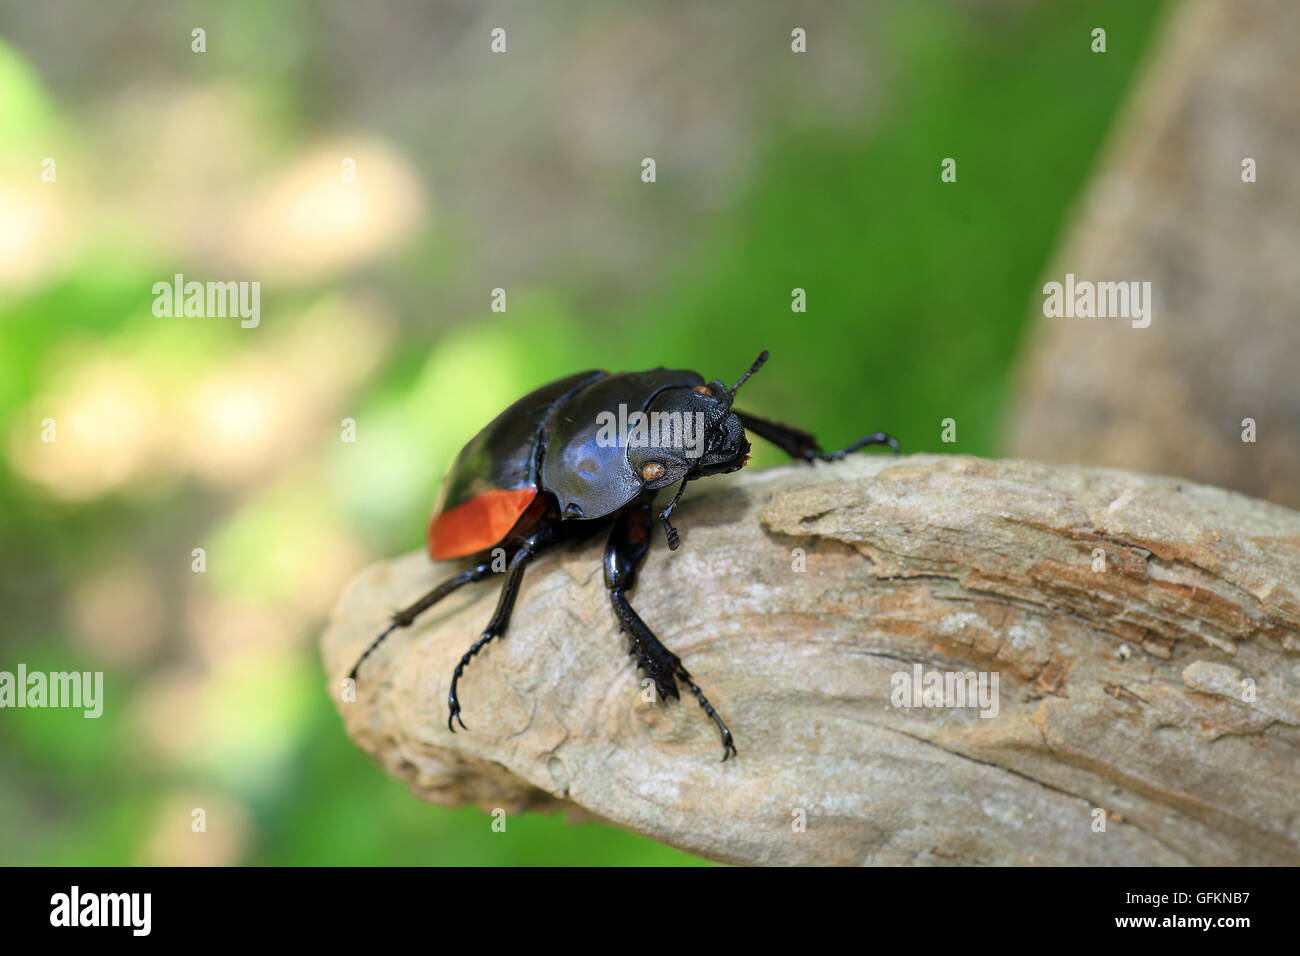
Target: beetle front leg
804 445
629 540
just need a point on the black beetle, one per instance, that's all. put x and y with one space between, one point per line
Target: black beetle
585 452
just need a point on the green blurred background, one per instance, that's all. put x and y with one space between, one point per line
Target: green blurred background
475 171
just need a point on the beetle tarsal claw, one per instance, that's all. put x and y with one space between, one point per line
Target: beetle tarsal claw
673 538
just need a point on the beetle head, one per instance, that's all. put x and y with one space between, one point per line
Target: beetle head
711 440
696 434
726 448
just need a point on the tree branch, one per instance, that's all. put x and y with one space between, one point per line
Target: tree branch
1154 690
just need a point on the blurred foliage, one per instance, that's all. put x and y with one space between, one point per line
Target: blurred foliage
917 298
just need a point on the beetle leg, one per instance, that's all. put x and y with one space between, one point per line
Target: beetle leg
629 540
801 444
500 617
407 615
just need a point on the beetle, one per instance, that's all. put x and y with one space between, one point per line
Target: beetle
554 467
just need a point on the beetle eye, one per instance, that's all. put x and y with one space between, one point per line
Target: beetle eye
704 389
652 471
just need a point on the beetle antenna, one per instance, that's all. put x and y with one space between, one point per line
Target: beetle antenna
758 363
673 539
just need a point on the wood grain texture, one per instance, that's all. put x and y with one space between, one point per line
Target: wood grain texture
1120 690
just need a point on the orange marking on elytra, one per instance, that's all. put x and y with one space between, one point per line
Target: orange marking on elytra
479 523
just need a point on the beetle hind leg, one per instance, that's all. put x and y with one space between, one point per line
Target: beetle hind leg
629 540
407 615
500 617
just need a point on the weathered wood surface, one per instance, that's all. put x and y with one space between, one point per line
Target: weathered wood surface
1120 690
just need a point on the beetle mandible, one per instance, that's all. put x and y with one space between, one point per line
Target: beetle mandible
547 470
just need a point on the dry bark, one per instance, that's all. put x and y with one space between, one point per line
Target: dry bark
1121 690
